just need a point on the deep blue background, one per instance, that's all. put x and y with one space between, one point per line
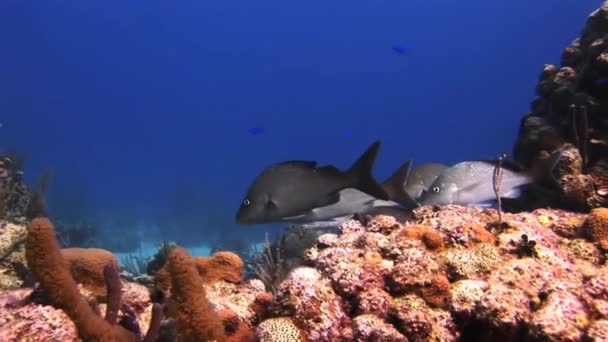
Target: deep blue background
130 101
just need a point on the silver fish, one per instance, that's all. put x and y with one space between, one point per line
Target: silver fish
471 182
422 177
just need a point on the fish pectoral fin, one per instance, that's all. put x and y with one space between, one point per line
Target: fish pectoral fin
330 199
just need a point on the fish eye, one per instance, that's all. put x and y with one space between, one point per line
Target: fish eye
246 202
436 189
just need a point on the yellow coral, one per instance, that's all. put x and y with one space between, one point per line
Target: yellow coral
373 257
280 329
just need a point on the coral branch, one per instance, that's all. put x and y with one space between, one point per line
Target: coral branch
48 266
195 318
154 329
113 289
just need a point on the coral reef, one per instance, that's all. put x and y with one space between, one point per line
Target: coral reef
570 114
15 195
13 266
232 307
443 276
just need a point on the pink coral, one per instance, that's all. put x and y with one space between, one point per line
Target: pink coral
350 270
419 322
373 328
561 317
373 301
504 308
310 300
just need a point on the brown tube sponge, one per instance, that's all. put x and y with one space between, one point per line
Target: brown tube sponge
48 266
225 266
195 319
87 265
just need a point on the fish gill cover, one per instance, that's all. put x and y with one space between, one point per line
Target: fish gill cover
154 120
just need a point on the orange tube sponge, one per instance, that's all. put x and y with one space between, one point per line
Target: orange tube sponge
194 318
48 266
226 266
86 266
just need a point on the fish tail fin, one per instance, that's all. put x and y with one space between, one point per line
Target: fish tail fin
361 174
395 186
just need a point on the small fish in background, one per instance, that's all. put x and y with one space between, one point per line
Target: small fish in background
347 133
602 81
400 49
256 130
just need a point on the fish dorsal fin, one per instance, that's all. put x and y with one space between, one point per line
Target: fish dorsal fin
360 174
305 163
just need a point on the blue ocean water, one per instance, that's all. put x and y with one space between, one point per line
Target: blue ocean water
155 116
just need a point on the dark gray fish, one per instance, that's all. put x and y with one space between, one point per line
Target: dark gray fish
290 190
354 201
422 177
471 182
395 187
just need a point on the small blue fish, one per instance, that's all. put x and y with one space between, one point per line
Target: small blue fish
602 81
348 133
256 130
400 49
